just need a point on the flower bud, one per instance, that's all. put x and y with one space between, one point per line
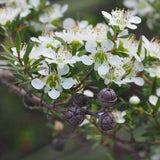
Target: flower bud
134 100
107 97
107 121
58 126
74 115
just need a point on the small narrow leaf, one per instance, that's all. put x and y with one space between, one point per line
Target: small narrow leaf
139 46
27 52
18 42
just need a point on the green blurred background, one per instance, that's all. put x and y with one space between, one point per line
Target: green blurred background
24 134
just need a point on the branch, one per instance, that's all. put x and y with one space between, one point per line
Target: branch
6 79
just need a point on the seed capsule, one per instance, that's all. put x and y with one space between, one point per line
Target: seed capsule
57 144
74 116
107 121
79 100
107 97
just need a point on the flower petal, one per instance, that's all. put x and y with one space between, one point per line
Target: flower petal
91 46
37 83
64 70
107 45
132 26
153 99
106 14
54 94
135 19
68 23
86 60
68 83
138 81
158 92
103 69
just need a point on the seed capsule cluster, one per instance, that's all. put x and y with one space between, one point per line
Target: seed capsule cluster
74 114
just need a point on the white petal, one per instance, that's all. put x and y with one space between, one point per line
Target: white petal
86 60
123 113
91 46
88 93
153 99
34 39
107 15
120 120
103 69
132 26
64 70
68 23
68 83
138 81
54 94
158 92
115 60
83 24
135 19
37 83
107 45
64 8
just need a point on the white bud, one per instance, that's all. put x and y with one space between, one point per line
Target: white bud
134 100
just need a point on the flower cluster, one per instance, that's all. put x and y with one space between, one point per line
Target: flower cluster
113 53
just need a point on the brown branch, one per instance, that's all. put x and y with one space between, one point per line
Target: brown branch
83 80
145 78
6 79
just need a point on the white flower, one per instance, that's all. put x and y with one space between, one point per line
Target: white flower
134 100
154 71
56 11
8 14
153 47
62 57
41 27
52 84
81 31
122 19
99 55
119 116
130 47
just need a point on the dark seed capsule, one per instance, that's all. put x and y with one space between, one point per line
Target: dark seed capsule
57 144
79 100
107 121
107 97
74 115
28 100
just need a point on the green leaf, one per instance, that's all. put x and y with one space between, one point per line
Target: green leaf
18 42
139 46
127 36
7 51
35 69
109 35
19 76
28 51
